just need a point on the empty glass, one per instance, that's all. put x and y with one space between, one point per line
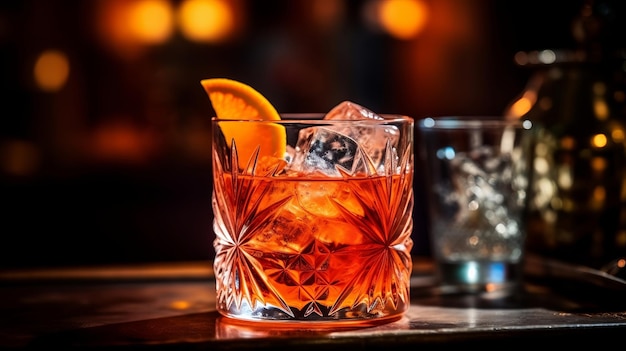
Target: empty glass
477 174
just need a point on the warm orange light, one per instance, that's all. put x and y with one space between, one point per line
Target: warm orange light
491 287
51 70
402 19
127 26
598 197
598 164
122 141
617 134
601 109
19 158
568 142
599 140
180 305
327 14
150 21
521 106
206 20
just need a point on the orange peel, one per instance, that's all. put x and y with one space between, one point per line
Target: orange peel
237 101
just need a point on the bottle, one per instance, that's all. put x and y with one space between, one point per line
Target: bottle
576 99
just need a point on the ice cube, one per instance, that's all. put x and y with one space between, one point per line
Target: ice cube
481 178
287 232
348 110
320 149
346 147
373 139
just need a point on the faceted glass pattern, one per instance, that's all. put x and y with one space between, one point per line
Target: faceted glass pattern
294 247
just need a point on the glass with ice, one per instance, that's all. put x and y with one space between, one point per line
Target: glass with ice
477 177
319 234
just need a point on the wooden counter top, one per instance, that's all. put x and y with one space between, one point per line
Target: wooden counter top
173 306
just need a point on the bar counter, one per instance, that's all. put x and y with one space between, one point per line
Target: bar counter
171 306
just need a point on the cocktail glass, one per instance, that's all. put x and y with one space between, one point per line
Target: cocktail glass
322 233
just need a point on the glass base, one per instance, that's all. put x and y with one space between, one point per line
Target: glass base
237 323
479 277
358 316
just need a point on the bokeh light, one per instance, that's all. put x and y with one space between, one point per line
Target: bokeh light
206 20
402 19
19 158
51 71
150 21
599 140
521 106
126 26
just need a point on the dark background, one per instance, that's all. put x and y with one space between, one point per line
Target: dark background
114 167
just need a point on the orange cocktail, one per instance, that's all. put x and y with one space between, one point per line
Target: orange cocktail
318 229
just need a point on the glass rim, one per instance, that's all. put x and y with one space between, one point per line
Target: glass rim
471 122
317 118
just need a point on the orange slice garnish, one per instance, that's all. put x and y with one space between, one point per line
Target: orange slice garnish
234 100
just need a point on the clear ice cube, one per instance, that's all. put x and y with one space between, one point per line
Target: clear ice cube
481 179
349 147
322 149
348 110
